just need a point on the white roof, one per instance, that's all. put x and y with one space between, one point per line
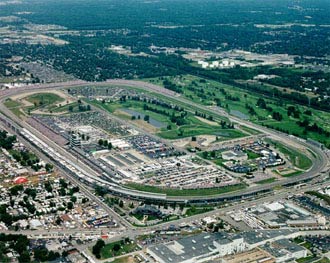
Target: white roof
274 206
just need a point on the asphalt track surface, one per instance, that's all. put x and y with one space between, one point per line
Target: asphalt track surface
320 163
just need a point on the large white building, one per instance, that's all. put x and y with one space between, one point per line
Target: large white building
198 248
208 246
284 250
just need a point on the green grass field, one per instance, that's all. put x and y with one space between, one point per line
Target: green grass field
252 155
65 108
310 258
186 192
14 107
108 251
140 217
44 99
197 210
191 127
296 173
207 92
267 181
297 158
323 260
9 103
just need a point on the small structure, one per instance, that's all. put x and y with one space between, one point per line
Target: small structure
284 250
75 140
20 180
234 155
148 210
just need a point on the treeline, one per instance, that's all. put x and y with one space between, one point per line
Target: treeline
157 102
172 86
156 110
21 245
294 97
203 115
313 128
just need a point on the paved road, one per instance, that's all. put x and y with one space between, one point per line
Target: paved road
319 163
135 231
120 221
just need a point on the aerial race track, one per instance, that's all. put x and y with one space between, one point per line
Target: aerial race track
85 174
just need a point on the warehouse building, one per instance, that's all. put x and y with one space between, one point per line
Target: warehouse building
212 246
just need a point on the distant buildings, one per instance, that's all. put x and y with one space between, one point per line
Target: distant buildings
217 64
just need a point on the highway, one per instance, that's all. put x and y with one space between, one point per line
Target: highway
319 164
117 234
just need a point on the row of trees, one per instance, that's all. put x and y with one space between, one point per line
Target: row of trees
105 144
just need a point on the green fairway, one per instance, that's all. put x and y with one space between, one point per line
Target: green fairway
245 103
166 127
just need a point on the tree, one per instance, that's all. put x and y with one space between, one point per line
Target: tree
205 155
100 191
65 254
121 203
70 205
48 187
16 189
116 247
261 103
49 167
24 257
213 154
41 254
62 191
109 145
146 118
63 183
73 199
96 250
